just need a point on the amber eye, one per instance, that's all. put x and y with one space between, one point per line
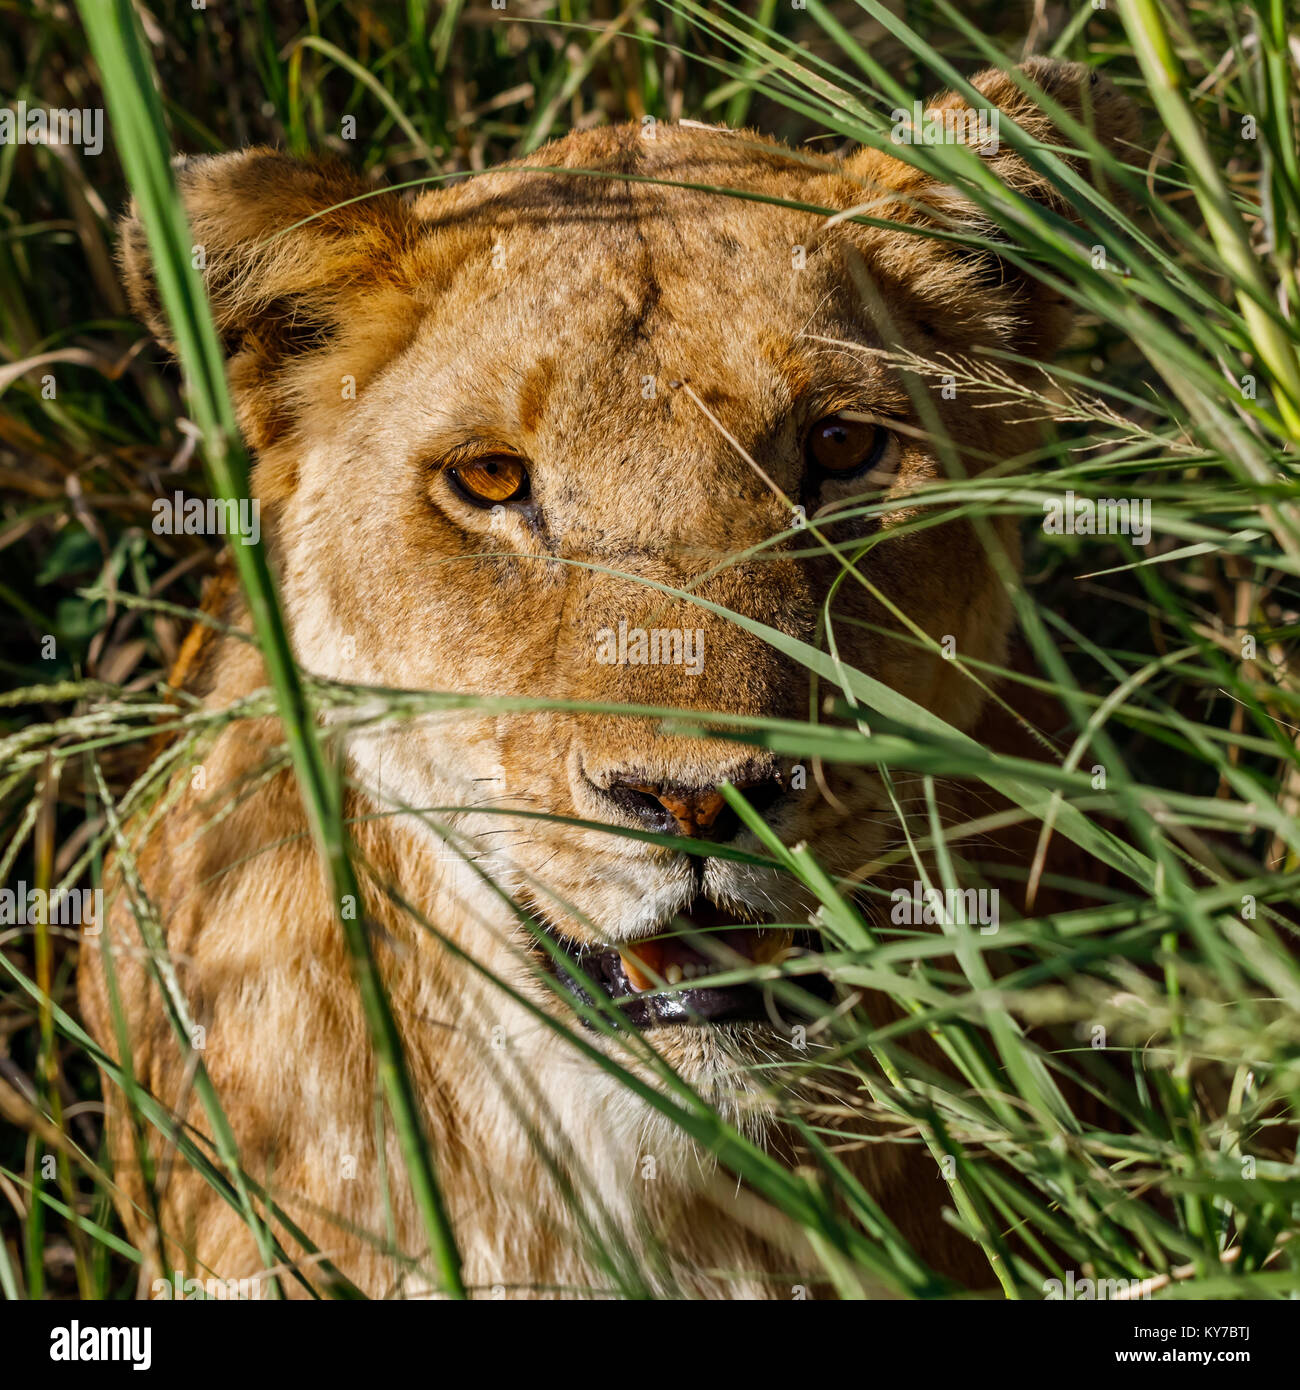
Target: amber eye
487 481
840 446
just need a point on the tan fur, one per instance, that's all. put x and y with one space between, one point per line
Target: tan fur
528 309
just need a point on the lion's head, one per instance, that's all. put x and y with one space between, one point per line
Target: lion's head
548 432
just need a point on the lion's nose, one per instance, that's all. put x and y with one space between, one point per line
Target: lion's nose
700 812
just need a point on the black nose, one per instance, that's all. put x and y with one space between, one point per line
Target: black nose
699 812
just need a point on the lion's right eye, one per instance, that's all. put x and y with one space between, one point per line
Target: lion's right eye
488 481
844 445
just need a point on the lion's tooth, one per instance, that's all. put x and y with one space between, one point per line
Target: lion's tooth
636 977
673 974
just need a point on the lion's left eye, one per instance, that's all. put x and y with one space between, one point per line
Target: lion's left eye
842 446
487 481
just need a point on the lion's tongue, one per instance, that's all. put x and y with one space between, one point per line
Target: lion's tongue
672 960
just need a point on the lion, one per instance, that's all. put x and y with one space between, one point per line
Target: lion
542 436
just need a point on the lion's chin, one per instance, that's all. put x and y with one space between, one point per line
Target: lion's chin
740 1069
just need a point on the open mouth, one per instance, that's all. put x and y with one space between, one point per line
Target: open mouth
651 980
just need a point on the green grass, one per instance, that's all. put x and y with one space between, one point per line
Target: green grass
1174 996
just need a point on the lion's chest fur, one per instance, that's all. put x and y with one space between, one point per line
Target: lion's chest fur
543 1159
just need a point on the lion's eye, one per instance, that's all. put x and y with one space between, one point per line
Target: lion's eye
840 446
487 481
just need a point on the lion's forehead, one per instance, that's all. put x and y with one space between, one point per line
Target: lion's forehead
688 223
579 300
571 335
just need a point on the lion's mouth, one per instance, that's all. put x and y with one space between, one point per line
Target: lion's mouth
649 980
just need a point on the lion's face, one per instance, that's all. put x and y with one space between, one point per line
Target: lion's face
626 386
505 431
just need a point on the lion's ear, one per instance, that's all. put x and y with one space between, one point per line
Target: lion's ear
287 248
907 195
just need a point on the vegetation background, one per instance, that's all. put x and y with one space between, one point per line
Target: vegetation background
1177 663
